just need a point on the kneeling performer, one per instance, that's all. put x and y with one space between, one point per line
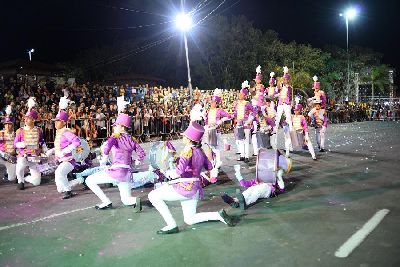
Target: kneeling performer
187 187
121 145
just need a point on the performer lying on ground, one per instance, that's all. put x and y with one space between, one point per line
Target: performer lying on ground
269 180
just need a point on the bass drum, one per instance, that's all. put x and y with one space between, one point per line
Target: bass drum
162 156
268 163
80 153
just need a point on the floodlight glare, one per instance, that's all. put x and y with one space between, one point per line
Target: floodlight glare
351 13
183 22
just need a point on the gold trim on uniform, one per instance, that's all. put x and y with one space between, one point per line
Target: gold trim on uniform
240 109
8 140
297 122
31 139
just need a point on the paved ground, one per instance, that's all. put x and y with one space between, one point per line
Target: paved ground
326 203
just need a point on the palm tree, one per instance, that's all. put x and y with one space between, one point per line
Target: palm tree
379 78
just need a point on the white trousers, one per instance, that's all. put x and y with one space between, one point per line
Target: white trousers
11 169
166 192
102 177
310 147
237 145
320 136
35 176
283 109
61 179
253 193
254 142
244 145
217 150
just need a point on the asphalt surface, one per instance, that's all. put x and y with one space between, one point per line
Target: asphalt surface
326 202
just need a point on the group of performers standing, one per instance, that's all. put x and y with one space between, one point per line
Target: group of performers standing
256 121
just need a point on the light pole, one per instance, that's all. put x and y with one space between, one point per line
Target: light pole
184 23
348 15
30 52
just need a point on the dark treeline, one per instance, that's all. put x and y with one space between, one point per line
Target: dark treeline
225 51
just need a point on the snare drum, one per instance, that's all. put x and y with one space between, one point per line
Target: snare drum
8 157
297 138
49 167
36 159
263 140
239 132
211 136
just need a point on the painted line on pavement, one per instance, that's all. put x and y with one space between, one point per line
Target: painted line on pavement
358 237
42 219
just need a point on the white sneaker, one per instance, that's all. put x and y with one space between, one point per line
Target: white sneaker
279 180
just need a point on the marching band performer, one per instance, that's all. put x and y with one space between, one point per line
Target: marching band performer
319 95
243 115
271 91
7 136
186 188
29 142
214 117
300 126
260 88
265 185
64 143
121 145
284 103
263 129
320 121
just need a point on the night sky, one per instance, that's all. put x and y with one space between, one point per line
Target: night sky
59 29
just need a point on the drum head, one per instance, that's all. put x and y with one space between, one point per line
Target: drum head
80 153
160 156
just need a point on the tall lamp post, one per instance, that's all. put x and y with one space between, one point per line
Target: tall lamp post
184 24
30 52
348 15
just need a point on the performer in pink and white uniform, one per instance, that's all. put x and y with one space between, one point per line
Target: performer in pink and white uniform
300 126
320 121
319 95
186 186
64 143
271 90
284 104
121 145
267 182
243 114
7 136
215 116
29 142
260 88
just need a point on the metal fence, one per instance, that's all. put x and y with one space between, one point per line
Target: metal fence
170 127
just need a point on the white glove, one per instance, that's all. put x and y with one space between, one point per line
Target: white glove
214 173
151 169
238 175
103 161
219 122
137 162
20 144
255 126
50 152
